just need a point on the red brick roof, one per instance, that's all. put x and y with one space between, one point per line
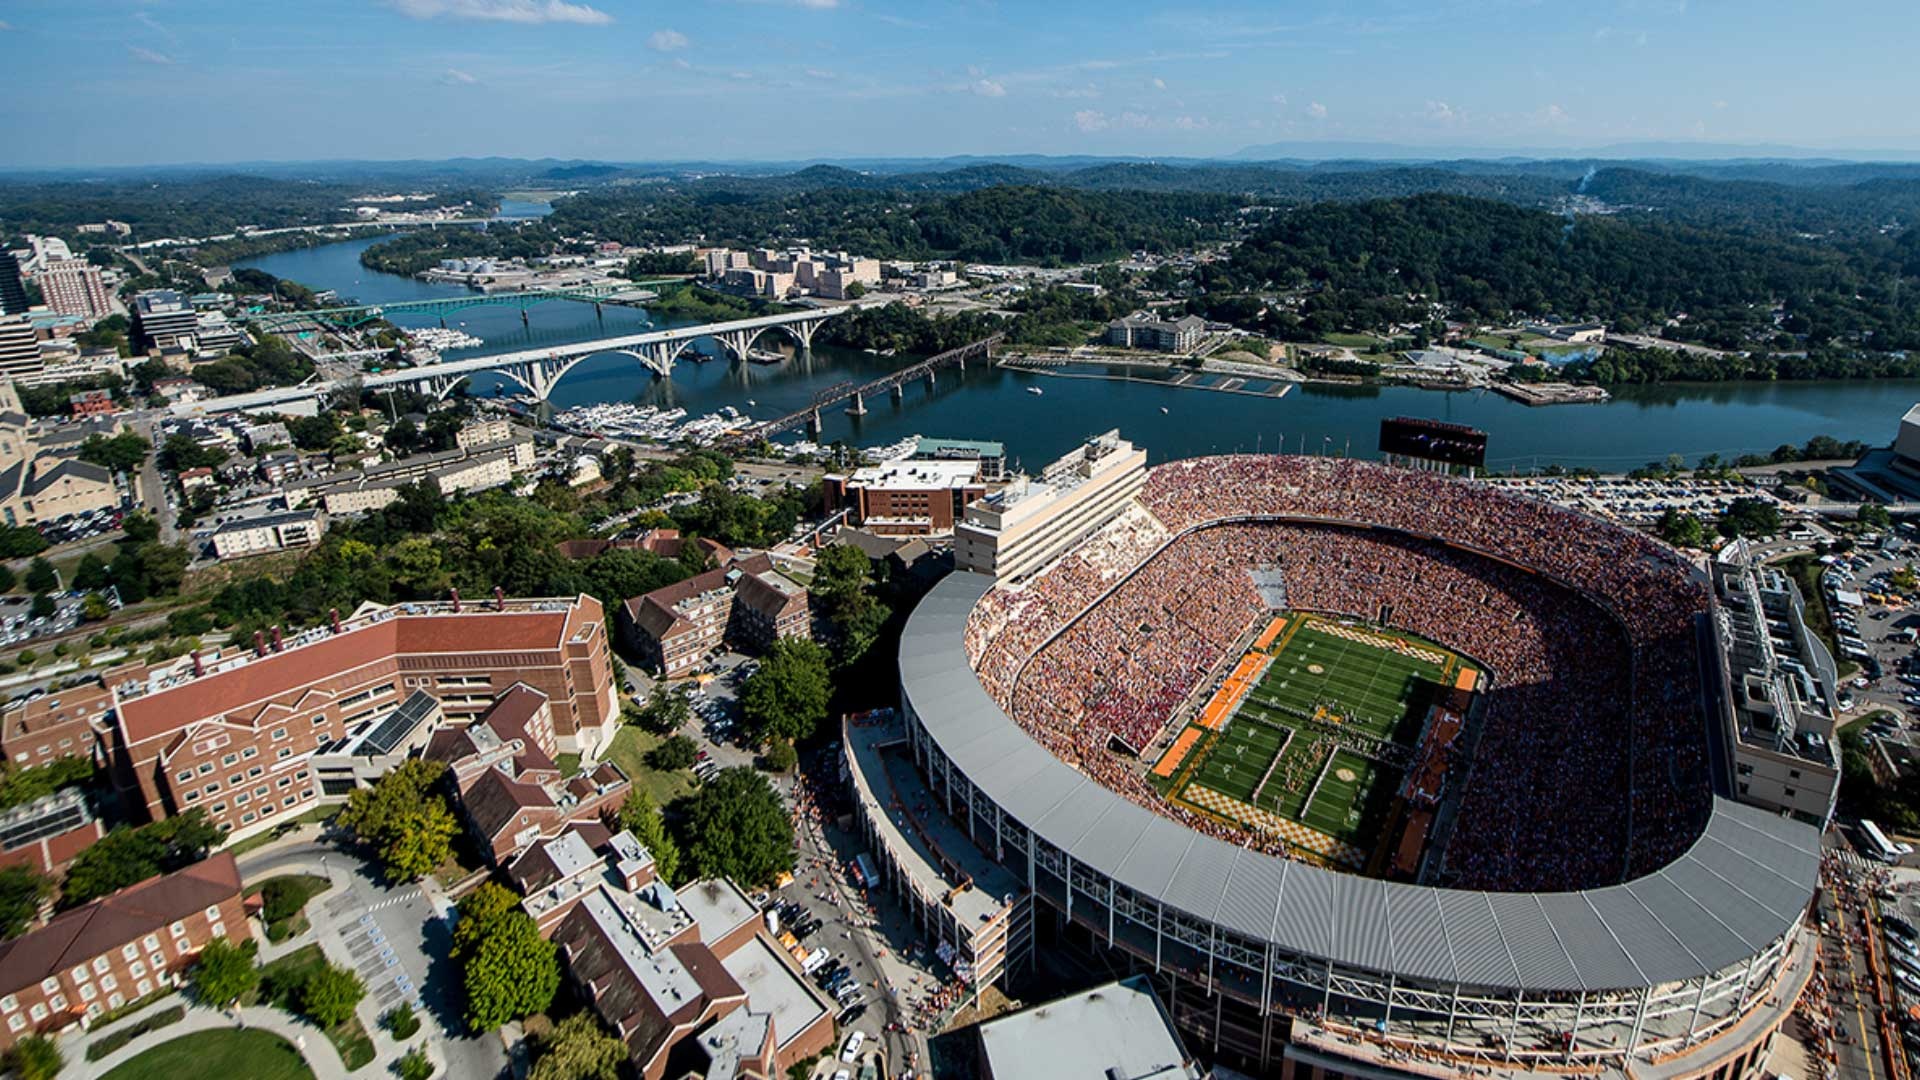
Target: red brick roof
112 921
221 693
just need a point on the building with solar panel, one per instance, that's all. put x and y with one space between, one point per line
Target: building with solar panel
1509 948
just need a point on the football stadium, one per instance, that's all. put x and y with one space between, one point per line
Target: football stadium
1376 771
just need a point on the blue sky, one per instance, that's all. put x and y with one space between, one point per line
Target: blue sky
123 82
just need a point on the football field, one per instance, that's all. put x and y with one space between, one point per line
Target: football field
1312 743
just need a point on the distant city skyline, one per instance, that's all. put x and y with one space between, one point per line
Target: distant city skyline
215 81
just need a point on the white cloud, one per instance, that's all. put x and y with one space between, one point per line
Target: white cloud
1191 123
1720 104
1091 120
148 56
456 77
1280 100
989 88
1159 83
817 5
1317 111
1441 113
512 11
1088 92
1552 115
5 26
681 63
666 40
820 73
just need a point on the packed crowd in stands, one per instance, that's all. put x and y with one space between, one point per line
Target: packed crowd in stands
1594 683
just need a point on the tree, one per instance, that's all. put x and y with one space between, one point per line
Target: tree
480 912
642 818
665 712
843 580
736 827
7 580
180 453
224 972
512 972
781 756
34 1057
674 753
124 452
1682 529
42 607
21 893
95 608
578 1048
1874 515
404 820
402 1021
787 697
128 856
17 541
91 573
41 576
329 995
1750 517
415 1065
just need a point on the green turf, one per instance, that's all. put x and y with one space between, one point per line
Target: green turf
1362 694
255 1054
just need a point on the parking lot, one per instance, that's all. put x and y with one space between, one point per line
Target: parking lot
1875 624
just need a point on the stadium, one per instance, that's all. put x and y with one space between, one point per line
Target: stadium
1377 772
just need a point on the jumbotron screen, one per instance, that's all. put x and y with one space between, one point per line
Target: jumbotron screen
1433 440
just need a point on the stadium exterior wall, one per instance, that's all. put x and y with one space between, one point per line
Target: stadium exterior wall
1661 968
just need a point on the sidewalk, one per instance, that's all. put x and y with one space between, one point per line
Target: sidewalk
312 1043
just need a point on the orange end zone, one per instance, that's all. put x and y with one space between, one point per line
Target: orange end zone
1272 632
1176 753
1468 680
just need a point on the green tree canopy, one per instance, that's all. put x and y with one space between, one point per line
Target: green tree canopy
124 452
787 697
41 577
642 818
675 752
224 972
404 819
21 893
34 1057
578 1048
736 827
330 994
128 856
510 972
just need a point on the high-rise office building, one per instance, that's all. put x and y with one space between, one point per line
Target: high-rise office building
13 293
162 317
19 347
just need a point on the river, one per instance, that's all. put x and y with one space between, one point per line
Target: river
1641 424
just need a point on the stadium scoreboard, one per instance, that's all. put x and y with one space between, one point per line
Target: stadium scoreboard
1433 440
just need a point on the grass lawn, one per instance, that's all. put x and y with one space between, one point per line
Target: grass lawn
255 1054
1351 341
306 887
568 764
629 749
280 984
261 839
1806 570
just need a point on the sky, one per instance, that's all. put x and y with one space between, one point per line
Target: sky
112 82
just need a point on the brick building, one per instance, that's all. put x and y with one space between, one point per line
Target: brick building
512 792
235 735
907 497
61 723
47 833
746 602
117 949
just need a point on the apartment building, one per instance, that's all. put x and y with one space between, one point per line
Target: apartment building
59 724
746 602
117 949
75 287
237 734
1162 335
908 497
1023 527
264 535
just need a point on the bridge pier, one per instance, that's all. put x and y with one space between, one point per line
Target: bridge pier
859 406
813 425
930 380
899 393
524 321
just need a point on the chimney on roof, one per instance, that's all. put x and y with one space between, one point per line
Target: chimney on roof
278 645
259 643
199 665
499 598
333 616
456 600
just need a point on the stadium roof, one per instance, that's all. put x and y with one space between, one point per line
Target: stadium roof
1743 883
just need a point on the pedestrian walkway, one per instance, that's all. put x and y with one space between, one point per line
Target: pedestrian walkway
321 1057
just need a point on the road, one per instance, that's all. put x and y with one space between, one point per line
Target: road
151 484
396 938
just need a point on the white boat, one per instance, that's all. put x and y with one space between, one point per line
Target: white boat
1035 391
1163 410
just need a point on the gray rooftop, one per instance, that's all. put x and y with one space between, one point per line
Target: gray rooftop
774 988
1743 883
1116 1030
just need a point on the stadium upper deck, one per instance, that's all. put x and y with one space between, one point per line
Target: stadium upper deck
1700 941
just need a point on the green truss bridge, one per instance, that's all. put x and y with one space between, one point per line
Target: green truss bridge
624 293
